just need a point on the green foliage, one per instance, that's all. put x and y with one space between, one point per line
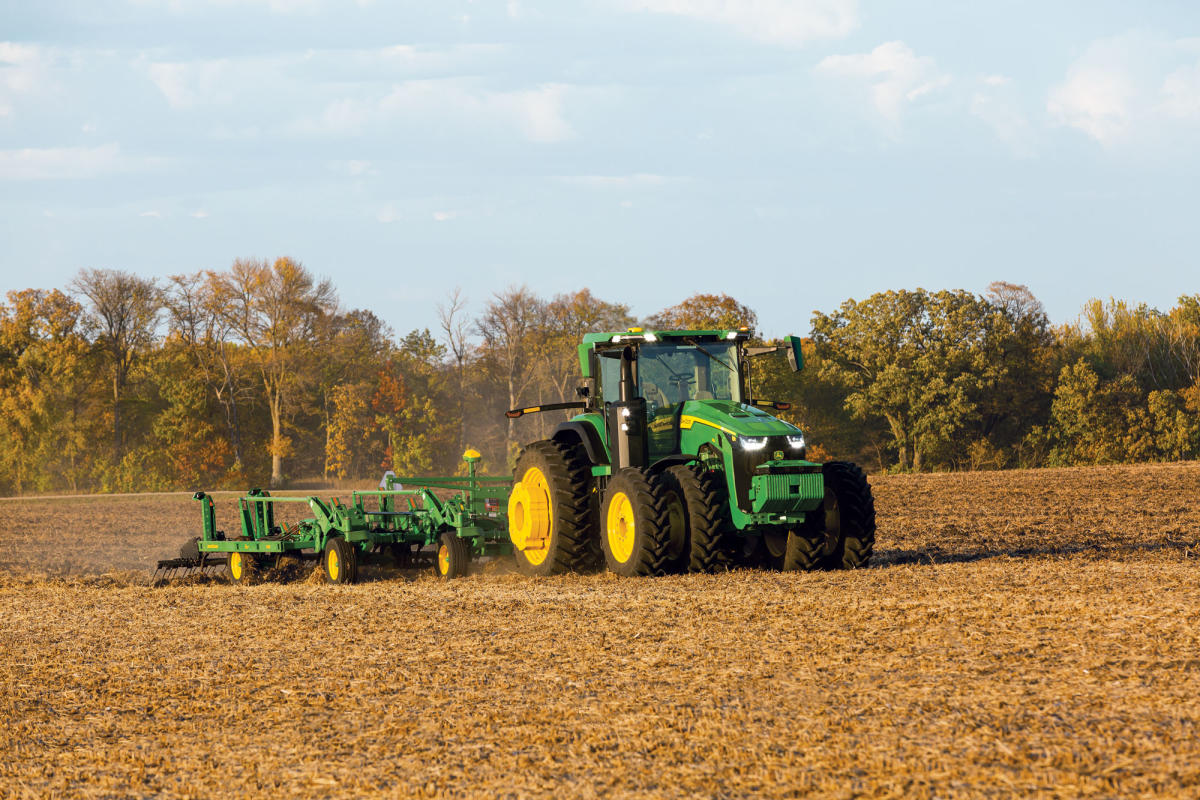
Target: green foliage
220 378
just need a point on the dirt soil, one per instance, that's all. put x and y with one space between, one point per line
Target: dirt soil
1019 633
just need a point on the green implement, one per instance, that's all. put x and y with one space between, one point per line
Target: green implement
468 523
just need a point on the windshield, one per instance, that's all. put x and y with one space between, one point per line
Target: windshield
672 373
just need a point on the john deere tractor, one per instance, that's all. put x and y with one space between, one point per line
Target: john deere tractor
673 465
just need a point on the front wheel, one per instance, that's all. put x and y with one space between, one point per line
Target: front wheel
636 525
849 515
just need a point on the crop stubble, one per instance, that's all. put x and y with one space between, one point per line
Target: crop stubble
1025 633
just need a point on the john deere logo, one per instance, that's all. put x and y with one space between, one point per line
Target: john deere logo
779 455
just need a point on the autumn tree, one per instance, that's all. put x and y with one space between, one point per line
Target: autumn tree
46 374
198 316
276 310
456 328
508 326
917 359
705 312
125 308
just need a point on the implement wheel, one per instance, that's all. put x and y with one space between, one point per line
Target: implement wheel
241 567
706 516
340 561
453 556
637 527
849 515
552 510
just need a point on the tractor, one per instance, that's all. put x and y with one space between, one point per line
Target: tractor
673 465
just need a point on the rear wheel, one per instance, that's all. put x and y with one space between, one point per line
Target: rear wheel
340 561
552 510
709 535
453 556
849 515
637 531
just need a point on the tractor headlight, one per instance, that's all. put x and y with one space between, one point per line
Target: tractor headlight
754 442
796 442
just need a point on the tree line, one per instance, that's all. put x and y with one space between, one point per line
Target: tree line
256 376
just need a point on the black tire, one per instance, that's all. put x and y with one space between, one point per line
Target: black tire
453 556
638 501
402 555
709 531
808 549
339 561
572 541
848 496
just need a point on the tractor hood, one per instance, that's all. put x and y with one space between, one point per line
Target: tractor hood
735 419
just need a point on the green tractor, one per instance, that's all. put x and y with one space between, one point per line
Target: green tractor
673 465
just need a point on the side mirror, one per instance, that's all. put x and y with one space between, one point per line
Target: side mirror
795 355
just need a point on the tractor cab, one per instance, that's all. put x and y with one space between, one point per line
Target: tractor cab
652 386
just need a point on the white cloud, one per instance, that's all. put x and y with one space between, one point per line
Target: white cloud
897 76
536 113
199 214
1181 93
1131 88
67 163
444 216
779 21
354 168
189 84
24 72
996 103
153 214
389 214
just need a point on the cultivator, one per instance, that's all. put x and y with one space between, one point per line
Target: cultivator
394 521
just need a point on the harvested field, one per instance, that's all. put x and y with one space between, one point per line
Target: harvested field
1022 633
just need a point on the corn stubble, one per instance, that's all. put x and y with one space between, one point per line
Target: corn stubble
1027 633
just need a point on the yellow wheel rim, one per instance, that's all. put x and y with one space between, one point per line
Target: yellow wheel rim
332 564
235 566
444 560
530 516
620 527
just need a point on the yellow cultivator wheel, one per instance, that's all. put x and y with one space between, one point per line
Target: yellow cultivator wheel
453 556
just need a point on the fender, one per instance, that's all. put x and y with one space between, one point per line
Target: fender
670 461
582 433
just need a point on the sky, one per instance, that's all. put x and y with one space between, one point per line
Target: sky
791 154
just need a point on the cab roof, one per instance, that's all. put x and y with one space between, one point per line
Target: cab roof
598 341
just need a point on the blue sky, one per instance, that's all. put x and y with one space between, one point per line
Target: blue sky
792 154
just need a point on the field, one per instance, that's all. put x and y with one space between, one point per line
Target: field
1024 633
